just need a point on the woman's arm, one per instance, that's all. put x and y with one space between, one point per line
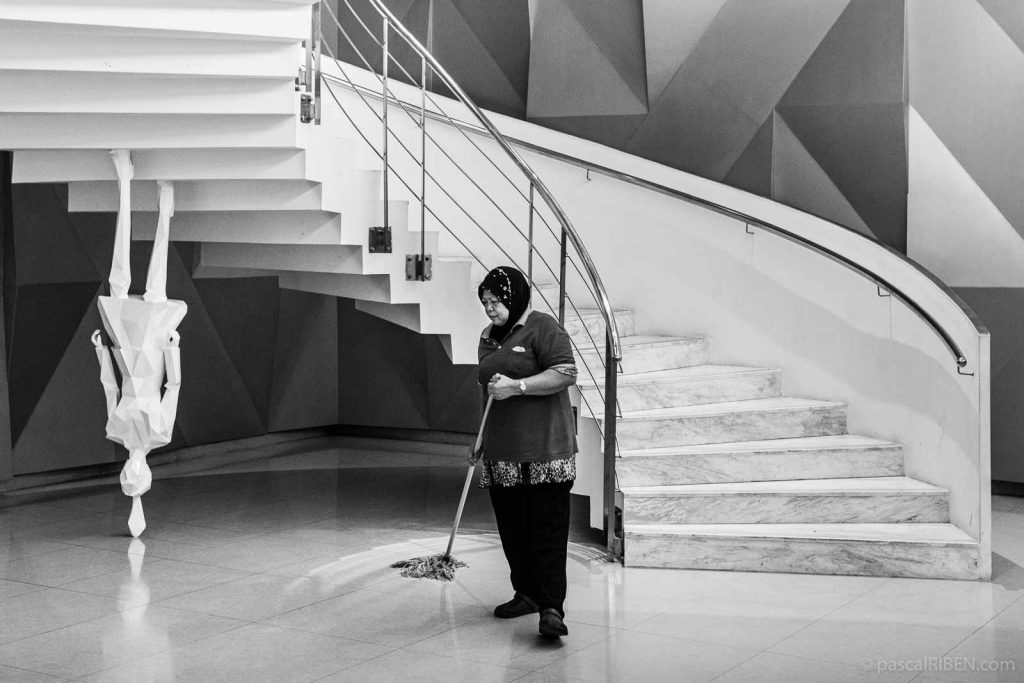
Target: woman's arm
550 381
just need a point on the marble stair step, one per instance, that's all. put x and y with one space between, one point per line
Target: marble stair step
694 385
816 457
642 354
839 501
587 328
923 550
767 418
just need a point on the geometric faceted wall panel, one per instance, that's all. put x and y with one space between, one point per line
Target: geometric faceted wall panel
391 377
587 59
1000 308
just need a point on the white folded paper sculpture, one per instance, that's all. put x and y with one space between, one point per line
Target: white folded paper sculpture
144 344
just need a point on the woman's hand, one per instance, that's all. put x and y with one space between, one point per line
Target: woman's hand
502 387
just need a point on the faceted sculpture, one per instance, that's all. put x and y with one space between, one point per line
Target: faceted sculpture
144 344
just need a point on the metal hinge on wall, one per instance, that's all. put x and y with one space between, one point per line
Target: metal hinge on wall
306 109
418 267
379 240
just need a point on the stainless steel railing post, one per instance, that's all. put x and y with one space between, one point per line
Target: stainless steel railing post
561 279
610 388
529 242
384 70
317 39
423 169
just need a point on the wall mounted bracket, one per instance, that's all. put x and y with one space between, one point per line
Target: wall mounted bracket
418 267
379 240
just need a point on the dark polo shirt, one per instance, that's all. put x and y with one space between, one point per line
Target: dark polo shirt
528 428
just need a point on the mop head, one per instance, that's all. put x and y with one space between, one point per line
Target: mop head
440 567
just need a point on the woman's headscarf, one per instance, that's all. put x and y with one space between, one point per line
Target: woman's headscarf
510 287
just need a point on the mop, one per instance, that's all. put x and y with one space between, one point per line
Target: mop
442 566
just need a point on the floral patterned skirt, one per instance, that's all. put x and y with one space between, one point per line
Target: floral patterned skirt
500 473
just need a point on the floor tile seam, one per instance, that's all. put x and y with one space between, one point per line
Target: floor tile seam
268 623
36 588
384 590
526 671
66 546
739 664
262 570
933 629
824 616
318 601
173 648
33 671
159 603
64 626
78 676
412 646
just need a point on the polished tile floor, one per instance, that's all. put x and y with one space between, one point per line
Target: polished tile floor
277 570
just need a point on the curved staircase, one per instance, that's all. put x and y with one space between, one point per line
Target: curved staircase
717 468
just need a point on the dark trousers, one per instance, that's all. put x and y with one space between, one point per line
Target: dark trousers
533 522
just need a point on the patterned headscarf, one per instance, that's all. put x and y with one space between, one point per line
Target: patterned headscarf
510 287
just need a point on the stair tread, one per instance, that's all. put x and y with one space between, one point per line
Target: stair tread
847 485
648 341
925 533
753 405
592 312
693 372
805 443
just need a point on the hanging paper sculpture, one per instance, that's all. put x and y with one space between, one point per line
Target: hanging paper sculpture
144 343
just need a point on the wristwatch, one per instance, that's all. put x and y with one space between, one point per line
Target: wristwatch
522 387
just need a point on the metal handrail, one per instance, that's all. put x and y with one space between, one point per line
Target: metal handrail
954 348
592 279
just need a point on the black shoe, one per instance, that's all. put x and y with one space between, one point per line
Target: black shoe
551 624
516 607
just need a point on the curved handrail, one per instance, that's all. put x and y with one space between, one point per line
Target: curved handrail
601 294
881 281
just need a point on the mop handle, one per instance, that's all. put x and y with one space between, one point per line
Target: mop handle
469 477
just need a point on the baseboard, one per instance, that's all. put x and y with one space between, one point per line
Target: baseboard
1007 488
163 463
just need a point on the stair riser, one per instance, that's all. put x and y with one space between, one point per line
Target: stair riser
239 195
246 227
823 556
139 54
821 508
101 20
53 166
720 468
695 392
653 358
282 257
92 93
724 428
592 326
20 131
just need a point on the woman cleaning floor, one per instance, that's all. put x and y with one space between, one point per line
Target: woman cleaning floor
529 446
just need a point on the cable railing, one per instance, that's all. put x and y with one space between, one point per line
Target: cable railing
433 198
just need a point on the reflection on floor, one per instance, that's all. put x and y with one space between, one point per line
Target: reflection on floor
277 570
